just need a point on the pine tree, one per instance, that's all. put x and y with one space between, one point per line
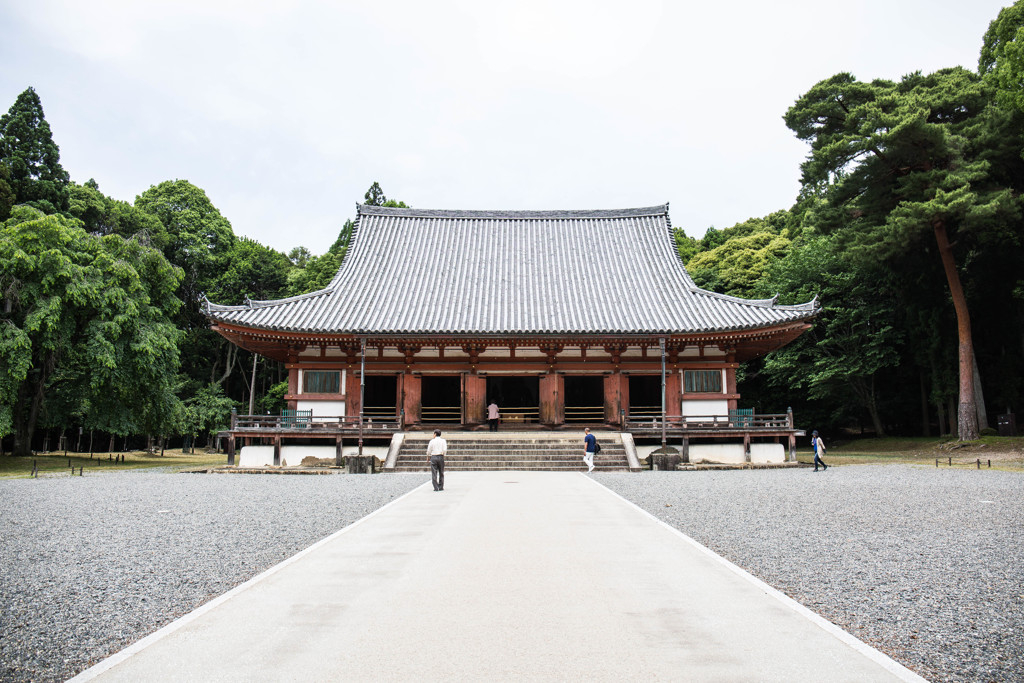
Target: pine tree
33 158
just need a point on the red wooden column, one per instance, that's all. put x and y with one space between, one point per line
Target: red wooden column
476 397
674 393
352 394
552 408
730 386
293 386
612 397
412 401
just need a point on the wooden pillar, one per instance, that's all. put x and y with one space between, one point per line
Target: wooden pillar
792 447
746 448
686 449
231 450
674 395
277 451
552 407
476 399
293 386
612 399
730 386
413 398
337 450
352 395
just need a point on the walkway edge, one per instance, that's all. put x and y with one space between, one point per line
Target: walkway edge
860 646
140 645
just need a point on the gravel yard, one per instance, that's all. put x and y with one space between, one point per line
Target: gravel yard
89 565
924 564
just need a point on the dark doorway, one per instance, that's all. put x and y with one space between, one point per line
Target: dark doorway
644 396
380 396
442 399
518 398
584 399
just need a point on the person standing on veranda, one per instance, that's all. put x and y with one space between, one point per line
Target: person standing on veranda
437 448
493 415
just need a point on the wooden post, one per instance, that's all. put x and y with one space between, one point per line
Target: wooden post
277 451
231 450
792 447
746 448
686 449
337 450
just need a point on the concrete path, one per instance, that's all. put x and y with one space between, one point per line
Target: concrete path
503 576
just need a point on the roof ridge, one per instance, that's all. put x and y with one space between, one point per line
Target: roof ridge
367 209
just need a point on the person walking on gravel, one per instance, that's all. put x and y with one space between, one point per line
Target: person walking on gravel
436 450
819 450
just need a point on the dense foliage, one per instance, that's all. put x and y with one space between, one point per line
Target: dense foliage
908 228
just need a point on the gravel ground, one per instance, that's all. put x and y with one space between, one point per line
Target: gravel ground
926 565
89 565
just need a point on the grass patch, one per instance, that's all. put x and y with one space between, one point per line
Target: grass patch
1006 453
58 464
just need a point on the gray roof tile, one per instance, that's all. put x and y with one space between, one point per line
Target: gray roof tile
416 271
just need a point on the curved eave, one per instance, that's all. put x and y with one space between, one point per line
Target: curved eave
282 345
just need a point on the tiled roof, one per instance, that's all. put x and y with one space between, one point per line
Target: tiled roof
423 272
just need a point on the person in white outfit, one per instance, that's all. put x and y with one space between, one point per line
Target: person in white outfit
436 450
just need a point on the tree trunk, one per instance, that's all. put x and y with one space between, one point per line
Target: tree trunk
925 427
967 415
979 397
941 410
865 391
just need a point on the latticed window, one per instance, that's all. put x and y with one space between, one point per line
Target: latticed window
321 382
703 381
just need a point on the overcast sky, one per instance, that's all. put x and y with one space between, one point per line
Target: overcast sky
286 112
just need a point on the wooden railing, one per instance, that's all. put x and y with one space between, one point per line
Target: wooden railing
272 423
514 415
746 421
592 414
441 414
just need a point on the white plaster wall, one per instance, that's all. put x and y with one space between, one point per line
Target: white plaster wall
322 408
704 408
767 452
717 452
260 456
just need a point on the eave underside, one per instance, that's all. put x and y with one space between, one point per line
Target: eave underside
740 345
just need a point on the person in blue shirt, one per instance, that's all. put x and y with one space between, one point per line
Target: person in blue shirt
589 449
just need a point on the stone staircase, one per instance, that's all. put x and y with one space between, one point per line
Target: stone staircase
477 451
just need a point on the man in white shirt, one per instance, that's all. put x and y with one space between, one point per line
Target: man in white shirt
436 450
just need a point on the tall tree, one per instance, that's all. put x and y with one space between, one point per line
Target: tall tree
85 328
1001 62
199 239
28 150
892 161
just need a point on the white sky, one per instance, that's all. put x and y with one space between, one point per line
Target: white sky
286 112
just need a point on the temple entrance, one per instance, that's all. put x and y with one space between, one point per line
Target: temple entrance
517 397
441 399
380 397
584 399
644 396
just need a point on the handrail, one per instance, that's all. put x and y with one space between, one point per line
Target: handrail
317 422
741 422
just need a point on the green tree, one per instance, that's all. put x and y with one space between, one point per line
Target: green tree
855 339
199 239
253 271
1001 62
32 157
85 328
206 412
893 163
